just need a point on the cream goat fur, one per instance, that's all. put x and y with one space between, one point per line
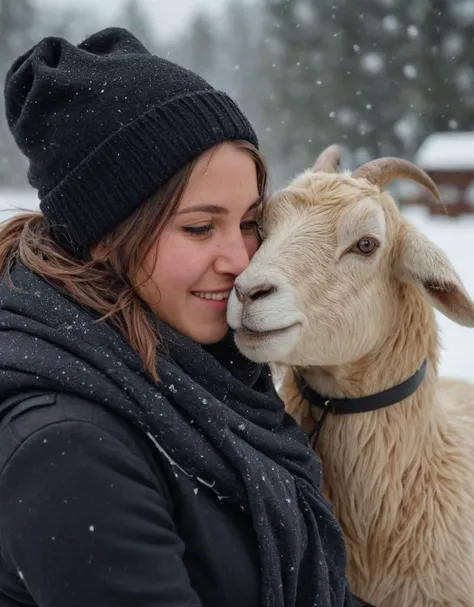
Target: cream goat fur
401 479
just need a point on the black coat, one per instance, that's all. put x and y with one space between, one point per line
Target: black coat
97 518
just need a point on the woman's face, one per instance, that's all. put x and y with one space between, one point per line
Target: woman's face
188 274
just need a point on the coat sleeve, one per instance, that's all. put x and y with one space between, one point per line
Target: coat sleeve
83 522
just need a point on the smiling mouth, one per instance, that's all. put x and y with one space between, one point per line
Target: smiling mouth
214 295
248 333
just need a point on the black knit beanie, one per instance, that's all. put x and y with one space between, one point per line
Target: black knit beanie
104 124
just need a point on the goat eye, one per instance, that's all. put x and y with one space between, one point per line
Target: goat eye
366 246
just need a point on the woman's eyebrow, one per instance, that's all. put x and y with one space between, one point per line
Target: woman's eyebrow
212 208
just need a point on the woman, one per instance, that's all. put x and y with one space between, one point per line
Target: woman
143 461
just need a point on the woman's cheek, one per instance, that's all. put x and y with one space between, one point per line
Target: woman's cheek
253 244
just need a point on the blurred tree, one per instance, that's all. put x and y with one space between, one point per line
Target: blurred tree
16 36
229 52
69 22
242 64
329 69
135 20
297 105
199 47
446 59
377 75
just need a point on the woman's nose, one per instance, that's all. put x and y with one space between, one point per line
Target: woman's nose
233 257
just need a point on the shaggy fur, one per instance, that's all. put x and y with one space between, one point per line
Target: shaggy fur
401 479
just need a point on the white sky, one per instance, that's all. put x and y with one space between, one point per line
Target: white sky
168 16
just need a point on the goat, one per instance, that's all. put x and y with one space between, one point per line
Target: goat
341 293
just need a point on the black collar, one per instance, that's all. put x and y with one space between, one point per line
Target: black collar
363 404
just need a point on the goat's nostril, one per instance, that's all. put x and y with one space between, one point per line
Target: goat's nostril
261 291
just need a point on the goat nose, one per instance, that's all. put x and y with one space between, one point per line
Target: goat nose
258 292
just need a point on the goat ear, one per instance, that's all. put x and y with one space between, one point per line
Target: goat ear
424 264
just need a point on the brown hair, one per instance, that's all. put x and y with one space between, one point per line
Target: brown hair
104 284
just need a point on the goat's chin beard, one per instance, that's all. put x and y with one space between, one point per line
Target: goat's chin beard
268 346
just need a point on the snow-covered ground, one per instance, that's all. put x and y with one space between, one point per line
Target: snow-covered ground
452 235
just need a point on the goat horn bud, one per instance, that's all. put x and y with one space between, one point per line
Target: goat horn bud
329 160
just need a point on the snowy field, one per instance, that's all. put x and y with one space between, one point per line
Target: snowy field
452 235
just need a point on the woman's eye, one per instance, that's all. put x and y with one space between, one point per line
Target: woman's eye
252 226
246 226
198 230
